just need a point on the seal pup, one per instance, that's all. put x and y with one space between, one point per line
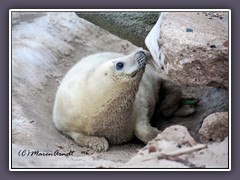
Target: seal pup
108 98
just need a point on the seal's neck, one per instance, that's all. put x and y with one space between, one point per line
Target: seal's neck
115 120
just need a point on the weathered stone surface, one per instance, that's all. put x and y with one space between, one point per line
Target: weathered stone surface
211 100
17 17
192 47
214 128
175 148
133 26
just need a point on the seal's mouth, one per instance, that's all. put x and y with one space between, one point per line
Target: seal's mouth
134 73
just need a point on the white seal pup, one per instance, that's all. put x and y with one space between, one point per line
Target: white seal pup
108 98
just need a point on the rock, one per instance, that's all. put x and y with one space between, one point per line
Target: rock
175 148
133 26
177 134
191 48
214 128
165 149
17 17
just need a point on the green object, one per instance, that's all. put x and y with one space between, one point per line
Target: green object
192 102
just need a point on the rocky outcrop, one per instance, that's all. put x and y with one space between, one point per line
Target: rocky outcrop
175 148
214 128
192 47
133 26
211 100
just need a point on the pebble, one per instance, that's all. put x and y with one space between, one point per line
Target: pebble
189 30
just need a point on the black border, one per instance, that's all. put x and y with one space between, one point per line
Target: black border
150 4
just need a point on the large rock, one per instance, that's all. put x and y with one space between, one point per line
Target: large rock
133 26
175 148
192 47
214 128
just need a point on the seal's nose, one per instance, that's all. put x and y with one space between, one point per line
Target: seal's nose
141 58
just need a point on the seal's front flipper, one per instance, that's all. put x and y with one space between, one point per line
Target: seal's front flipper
145 132
95 143
169 96
185 110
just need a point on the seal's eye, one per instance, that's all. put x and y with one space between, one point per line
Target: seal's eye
119 65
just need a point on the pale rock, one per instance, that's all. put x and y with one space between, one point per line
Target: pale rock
165 150
214 128
191 47
175 148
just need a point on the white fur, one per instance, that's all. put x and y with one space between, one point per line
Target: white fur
91 85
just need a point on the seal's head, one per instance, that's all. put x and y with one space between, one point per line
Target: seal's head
122 69
129 65
120 75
